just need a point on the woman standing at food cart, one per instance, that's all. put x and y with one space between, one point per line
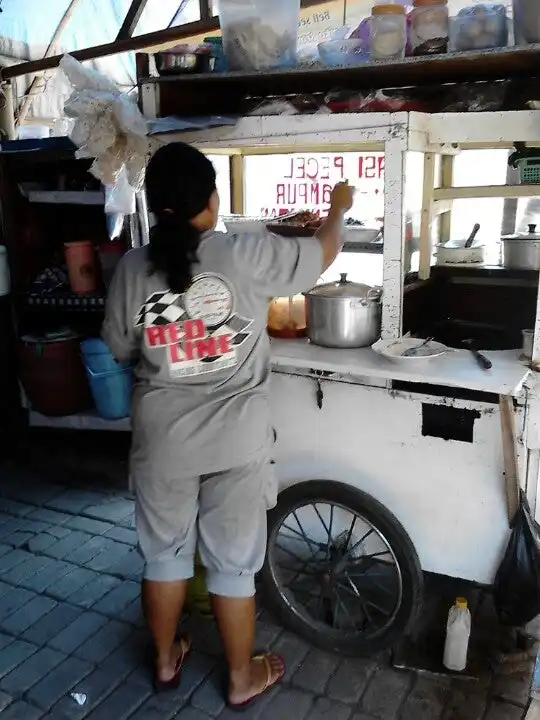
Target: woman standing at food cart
190 311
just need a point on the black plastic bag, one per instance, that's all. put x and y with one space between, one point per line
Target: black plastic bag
516 591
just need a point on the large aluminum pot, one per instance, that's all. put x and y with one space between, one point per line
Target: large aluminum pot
522 251
343 314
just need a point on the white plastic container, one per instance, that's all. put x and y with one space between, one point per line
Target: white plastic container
259 34
458 632
388 32
429 27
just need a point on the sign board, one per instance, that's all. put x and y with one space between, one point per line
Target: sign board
280 184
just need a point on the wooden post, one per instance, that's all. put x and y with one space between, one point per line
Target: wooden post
237 163
506 406
7 112
427 216
447 180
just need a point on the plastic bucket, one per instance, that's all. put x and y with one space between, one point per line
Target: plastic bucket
110 382
82 267
53 376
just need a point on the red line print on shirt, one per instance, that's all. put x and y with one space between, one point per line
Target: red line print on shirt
199 328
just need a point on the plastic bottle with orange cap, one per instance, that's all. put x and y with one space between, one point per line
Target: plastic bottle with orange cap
458 632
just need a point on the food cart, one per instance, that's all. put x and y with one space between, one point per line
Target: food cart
386 469
394 466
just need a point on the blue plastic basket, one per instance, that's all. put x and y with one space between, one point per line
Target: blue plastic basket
110 382
529 170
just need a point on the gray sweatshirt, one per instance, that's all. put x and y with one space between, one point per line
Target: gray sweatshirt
202 358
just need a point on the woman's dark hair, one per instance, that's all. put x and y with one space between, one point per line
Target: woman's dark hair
180 181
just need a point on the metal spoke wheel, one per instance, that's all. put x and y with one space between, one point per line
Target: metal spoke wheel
340 569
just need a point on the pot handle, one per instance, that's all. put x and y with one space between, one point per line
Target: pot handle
374 295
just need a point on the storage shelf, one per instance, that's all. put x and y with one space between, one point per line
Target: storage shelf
223 93
66 302
68 197
485 191
445 133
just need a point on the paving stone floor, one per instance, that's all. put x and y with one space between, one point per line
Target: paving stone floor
71 630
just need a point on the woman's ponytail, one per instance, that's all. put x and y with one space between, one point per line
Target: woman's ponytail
173 250
180 182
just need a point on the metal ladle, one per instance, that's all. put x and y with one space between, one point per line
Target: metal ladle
472 236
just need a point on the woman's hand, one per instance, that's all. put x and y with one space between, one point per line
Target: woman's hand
342 198
330 234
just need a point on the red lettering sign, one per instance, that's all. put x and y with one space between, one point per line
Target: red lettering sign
194 329
205 348
156 335
175 353
224 344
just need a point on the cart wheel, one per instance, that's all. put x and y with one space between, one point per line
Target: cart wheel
340 569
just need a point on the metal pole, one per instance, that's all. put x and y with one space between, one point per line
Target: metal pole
38 82
132 18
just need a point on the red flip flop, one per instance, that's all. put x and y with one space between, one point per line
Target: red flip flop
173 684
264 658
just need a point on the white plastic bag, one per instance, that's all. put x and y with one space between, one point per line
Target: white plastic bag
120 197
109 128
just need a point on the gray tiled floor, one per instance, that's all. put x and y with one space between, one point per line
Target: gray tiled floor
70 627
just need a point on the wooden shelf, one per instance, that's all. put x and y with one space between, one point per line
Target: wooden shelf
68 197
221 93
445 195
64 302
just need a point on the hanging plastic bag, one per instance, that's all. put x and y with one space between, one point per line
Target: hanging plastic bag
516 590
120 197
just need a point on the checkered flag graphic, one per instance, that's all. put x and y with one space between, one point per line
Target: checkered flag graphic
236 326
161 308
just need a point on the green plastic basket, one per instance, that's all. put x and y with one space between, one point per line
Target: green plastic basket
529 170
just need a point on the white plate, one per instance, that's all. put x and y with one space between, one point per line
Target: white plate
243 224
393 350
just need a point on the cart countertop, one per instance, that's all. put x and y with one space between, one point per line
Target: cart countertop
454 369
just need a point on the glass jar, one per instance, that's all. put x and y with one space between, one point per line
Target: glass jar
388 32
429 27
287 317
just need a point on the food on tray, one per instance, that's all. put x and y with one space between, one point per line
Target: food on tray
303 223
304 218
306 223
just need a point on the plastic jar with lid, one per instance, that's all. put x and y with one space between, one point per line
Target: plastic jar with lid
388 31
429 27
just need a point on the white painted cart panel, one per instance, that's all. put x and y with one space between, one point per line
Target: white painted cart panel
448 495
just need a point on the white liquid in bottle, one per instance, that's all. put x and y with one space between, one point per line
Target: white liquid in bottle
458 631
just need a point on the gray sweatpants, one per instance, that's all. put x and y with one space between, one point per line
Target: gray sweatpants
223 514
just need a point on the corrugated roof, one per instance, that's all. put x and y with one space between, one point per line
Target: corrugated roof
27 26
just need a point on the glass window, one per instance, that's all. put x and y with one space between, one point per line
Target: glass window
223 172
280 184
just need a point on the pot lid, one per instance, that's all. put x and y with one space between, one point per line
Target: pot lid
530 235
342 288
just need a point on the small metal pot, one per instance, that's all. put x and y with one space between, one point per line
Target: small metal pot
343 314
522 251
